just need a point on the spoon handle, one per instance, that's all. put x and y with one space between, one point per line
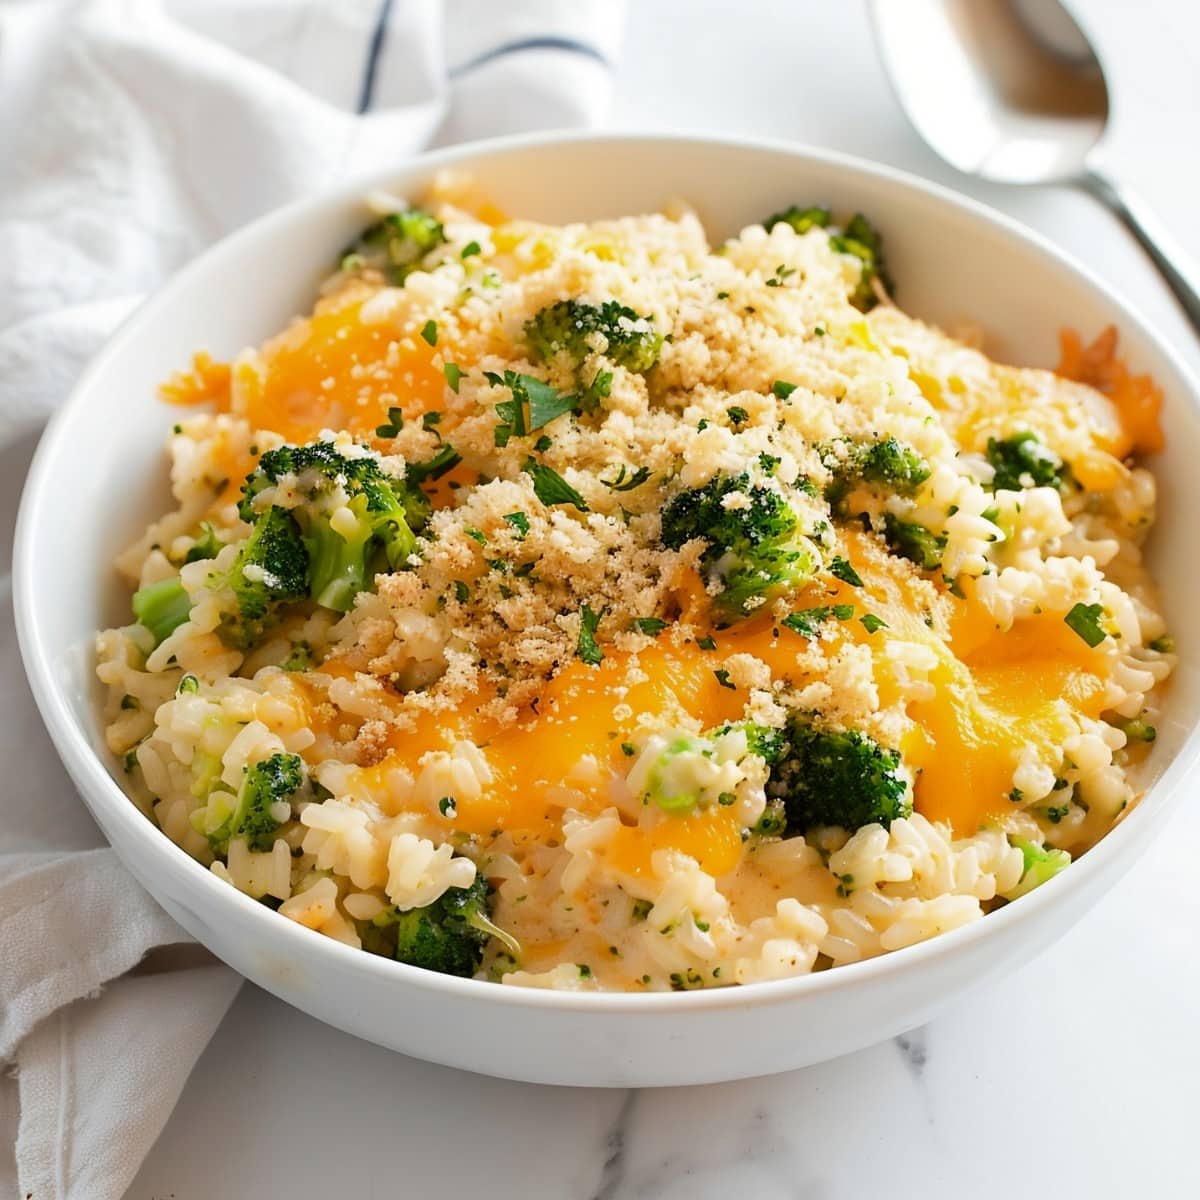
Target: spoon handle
1171 259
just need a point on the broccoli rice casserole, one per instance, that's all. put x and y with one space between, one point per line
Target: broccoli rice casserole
588 607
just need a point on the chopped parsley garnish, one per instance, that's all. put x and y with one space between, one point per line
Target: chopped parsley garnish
476 535
543 444
628 749
534 403
806 622
782 389
462 593
520 522
1084 619
871 623
843 569
430 421
650 626
429 332
768 462
588 648
724 680
551 488
447 806
453 373
738 415
393 425
626 480
707 642
471 249
1162 645
446 459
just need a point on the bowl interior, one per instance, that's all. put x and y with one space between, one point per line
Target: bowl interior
952 262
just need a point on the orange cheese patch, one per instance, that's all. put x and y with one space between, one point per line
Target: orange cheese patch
332 371
1137 398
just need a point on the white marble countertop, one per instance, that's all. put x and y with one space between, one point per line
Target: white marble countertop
1078 1076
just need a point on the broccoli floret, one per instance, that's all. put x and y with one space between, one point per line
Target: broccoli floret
270 571
396 244
450 934
162 607
862 240
914 541
800 219
353 519
1041 863
259 811
755 550
888 462
893 464
576 329
1022 461
844 779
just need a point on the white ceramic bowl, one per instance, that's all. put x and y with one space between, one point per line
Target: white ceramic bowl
100 473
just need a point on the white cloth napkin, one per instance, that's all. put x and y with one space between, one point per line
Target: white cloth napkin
135 133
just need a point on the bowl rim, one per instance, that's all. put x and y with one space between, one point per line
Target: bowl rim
225 903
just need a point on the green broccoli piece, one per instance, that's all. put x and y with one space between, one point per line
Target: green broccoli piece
1023 461
572 325
162 607
888 462
206 545
914 541
844 779
270 571
577 329
1041 863
863 241
342 560
395 245
274 781
800 219
450 934
769 744
753 553
894 465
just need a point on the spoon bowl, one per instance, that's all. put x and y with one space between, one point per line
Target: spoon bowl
1011 91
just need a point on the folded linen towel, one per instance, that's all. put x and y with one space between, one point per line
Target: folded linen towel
138 132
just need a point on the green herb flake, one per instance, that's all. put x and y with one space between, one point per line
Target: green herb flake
429 332
707 642
588 648
448 807
871 623
782 389
843 569
393 425
471 249
625 480
462 593
650 626
737 415
628 749
551 488
723 679
476 535
520 522
1084 619
453 373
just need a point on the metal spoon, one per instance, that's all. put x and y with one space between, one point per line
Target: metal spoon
1012 91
